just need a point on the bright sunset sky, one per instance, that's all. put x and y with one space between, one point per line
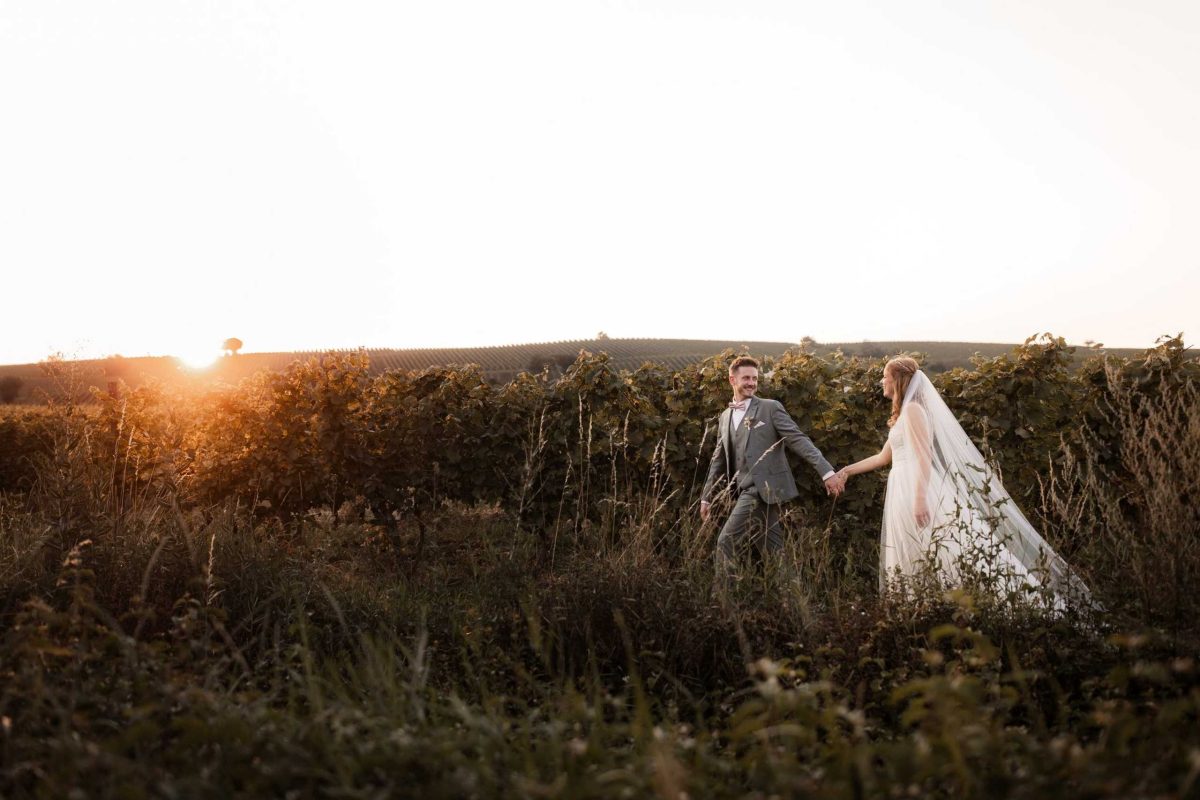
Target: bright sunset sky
308 175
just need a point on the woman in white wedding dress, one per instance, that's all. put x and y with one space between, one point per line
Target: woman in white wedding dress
945 511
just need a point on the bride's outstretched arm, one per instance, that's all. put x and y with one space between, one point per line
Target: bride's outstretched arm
880 459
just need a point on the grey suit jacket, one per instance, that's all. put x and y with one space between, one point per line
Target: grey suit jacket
770 431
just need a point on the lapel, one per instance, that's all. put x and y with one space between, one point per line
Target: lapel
742 435
726 420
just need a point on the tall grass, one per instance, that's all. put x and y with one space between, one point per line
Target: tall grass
156 646
1131 518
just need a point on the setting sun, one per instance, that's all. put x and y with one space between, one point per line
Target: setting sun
196 358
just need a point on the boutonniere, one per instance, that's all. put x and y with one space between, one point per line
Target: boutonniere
748 421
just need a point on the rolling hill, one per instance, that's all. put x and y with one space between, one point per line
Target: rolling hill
499 363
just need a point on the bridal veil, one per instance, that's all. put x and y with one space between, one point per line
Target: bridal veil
975 525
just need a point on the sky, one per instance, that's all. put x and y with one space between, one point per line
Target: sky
306 175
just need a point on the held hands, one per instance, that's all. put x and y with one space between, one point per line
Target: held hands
835 483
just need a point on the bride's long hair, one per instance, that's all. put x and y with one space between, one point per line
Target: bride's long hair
902 369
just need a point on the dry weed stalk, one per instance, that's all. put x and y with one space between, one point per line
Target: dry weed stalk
1135 514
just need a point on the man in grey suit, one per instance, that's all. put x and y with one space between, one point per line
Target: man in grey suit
750 461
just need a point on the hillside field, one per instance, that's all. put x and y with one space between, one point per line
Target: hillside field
499 364
328 582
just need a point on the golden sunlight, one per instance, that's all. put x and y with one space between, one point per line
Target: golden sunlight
198 357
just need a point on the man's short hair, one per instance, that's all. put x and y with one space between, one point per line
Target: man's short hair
742 361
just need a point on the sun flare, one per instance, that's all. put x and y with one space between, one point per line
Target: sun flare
198 358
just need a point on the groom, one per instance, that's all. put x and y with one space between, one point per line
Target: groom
751 438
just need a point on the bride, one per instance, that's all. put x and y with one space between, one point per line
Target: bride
945 510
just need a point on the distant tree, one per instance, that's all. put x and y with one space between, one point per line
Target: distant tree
602 336
808 344
231 346
10 387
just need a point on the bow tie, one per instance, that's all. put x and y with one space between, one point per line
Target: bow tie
739 406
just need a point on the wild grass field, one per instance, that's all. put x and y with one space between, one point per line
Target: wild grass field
328 583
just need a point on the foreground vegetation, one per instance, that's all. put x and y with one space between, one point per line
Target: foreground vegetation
326 584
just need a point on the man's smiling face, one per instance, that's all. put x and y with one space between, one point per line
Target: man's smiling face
744 382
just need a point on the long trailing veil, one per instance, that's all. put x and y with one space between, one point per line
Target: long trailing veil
973 518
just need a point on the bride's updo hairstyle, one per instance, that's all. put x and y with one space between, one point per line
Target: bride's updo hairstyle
902 369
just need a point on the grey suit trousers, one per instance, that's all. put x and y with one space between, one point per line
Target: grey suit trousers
752 522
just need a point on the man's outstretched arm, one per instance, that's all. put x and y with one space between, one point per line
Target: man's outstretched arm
799 443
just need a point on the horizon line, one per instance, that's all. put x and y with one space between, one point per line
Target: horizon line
559 342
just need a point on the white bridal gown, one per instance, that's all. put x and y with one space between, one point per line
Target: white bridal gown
975 530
